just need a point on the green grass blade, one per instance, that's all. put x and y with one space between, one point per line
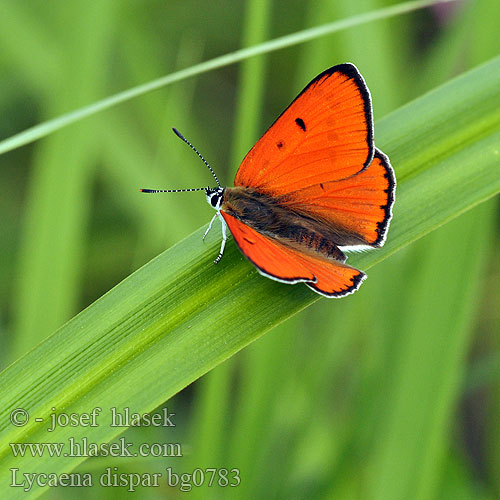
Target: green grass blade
25 40
56 216
179 316
211 416
430 363
252 81
43 129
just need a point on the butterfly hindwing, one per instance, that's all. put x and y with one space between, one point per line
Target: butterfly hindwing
325 134
361 205
279 262
333 279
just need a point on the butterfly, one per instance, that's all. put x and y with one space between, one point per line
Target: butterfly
312 187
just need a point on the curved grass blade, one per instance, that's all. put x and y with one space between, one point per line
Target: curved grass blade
38 131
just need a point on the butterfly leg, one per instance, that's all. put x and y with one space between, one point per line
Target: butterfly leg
224 238
209 226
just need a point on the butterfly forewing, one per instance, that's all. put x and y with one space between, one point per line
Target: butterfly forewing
325 134
313 183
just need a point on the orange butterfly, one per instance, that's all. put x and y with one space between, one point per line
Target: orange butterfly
312 187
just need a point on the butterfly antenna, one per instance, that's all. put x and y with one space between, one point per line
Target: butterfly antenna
170 190
178 134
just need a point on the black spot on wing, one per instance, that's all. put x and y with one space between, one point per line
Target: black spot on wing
300 123
279 144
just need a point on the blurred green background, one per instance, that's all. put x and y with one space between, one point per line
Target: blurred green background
391 393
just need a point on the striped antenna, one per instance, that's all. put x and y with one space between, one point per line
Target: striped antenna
178 134
170 190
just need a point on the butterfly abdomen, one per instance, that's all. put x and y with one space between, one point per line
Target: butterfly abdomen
265 215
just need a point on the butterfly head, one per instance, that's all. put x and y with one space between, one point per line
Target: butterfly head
215 196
